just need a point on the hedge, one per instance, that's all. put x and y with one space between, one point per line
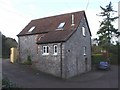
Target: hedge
96 58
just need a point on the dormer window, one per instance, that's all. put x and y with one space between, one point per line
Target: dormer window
31 29
61 25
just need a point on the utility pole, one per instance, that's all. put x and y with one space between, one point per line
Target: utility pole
119 20
118 31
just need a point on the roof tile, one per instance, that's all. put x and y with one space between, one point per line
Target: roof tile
51 23
49 26
55 36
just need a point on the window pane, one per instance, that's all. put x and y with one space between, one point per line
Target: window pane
47 49
61 25
43 49
31 29
55 49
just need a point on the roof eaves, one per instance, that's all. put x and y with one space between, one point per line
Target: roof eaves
64 40
50 42
70 35
26 34
87 23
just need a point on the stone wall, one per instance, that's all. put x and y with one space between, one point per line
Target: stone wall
27 46
69 61
50 63
74 58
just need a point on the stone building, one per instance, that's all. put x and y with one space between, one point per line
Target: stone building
58 45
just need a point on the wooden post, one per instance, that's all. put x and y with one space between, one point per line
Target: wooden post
13 55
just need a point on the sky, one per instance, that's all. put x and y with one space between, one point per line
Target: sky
16 14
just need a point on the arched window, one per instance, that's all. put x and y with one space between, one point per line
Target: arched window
55 50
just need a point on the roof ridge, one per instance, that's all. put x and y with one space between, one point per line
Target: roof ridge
48 24
58 15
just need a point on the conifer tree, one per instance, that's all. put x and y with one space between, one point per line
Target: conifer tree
107 30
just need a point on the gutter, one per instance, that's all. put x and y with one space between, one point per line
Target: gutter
19 49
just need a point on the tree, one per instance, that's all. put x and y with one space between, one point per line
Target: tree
7 43
107 30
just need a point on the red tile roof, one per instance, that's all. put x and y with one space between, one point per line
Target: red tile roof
55 36
49 25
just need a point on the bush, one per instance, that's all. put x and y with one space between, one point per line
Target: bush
96 58
6 83
28 61
7 43
114 59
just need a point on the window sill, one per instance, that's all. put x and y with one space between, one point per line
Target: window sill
84 54
55 54
45 54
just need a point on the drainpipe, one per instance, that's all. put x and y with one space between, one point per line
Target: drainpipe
61 58
19 49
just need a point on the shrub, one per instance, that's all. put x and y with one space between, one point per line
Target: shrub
28 61
96 58
114 59
6 83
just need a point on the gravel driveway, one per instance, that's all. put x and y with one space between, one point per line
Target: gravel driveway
26 77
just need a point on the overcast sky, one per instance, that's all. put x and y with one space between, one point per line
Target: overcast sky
16 14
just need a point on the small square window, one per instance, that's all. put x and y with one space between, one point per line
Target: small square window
45 50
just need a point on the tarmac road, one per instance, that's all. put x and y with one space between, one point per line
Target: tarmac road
26 77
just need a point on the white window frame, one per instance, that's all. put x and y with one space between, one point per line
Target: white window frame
45 50
84 50
55 50
83 31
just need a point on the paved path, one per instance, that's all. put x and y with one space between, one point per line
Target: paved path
26 77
